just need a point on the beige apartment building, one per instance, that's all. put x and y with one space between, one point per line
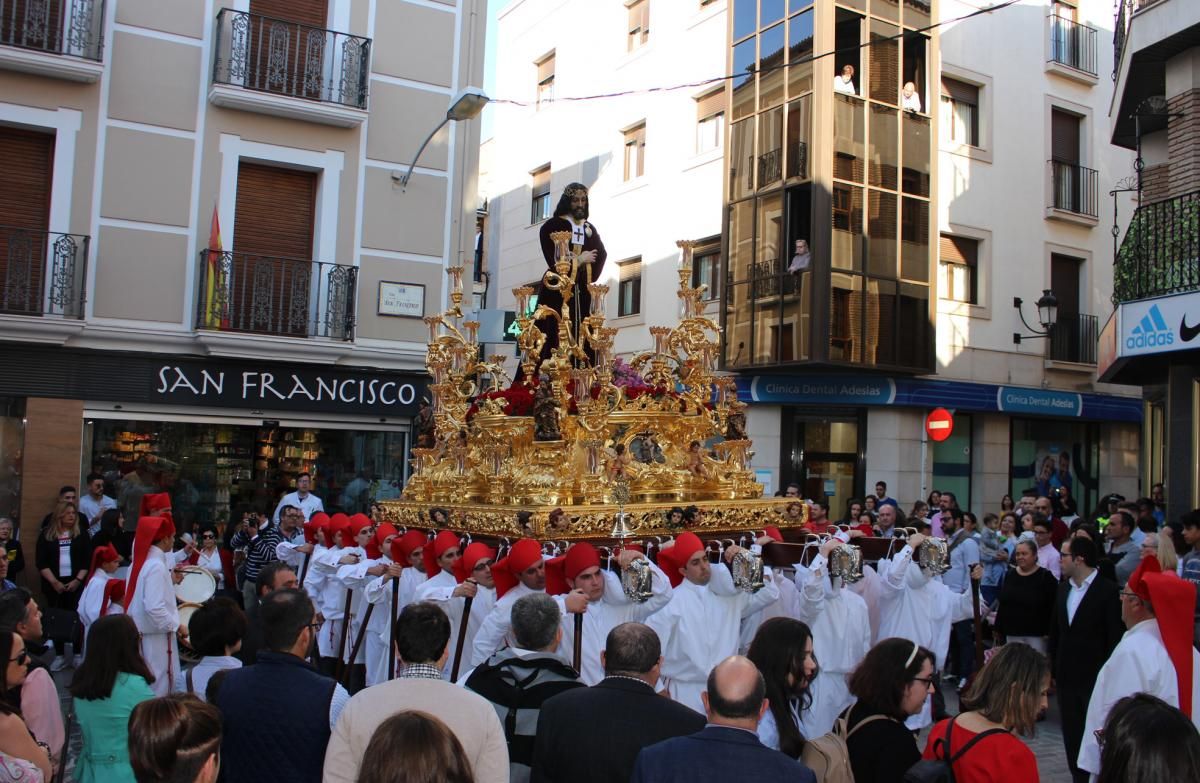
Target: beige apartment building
213 268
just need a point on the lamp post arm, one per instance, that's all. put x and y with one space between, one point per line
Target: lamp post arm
408 175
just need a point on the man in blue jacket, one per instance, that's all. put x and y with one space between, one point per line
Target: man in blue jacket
728 747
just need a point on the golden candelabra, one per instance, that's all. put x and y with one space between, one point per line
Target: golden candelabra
570 435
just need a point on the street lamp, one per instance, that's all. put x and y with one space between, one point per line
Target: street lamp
1047 308
465 106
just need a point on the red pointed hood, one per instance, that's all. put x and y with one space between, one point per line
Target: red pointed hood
149 530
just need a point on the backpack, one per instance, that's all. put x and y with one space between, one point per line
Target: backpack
828 756
941 770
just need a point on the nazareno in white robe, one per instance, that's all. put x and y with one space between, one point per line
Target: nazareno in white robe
156 614
91 599
1139 663
700 627
439 590
613 609
378 592
841 632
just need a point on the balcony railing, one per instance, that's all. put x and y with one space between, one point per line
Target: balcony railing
1074 339
1125 12
42 272
1073 44
72 27
1160 254
1074 188
285 297
290 59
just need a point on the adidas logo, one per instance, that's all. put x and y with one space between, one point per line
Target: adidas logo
1152 332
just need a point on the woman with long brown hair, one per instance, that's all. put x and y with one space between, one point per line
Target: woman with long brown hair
1005 700
63 557
20 752
783 652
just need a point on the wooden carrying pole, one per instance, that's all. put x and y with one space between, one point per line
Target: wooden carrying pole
462 637
341 651
362 634
391 672
578 653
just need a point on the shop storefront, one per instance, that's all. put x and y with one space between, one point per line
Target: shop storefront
836 435
215 434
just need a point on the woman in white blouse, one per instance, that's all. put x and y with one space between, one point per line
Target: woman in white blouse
209 556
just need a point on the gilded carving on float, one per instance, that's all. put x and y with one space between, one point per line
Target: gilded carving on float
581 430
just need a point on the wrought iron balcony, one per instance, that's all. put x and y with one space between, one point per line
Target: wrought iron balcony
292 60
42 272
1074 188
1073 339
285 297
71 27
1073 44
1160 254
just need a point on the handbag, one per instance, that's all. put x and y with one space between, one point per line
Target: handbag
941 770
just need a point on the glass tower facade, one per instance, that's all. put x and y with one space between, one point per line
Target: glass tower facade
830 151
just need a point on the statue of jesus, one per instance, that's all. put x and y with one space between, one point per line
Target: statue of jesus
571 214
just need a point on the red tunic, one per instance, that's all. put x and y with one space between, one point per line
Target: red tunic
998 758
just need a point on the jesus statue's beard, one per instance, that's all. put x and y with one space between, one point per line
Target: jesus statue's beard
579 213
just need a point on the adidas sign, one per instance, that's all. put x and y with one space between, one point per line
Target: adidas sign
1152 332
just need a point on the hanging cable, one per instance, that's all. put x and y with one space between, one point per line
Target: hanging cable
750 72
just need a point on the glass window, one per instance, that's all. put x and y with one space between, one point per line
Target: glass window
1053 454
706 269
914 239
886 9
770 147
796 5
848 138
710 121
767 323
916 48
879 343
639 24
741 159
881 228
545 75
211 469
629 289
743 80
770 238
960 112
737 325
12 446
741 239
916 13
916 347
952 461
848 39
540 209
745 17
799 131
635 152
800 50
771 67
883 155
885 62
770 12
916 145
845 317
959 258
847 227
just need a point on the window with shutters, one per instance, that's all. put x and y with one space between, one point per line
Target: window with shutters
540 208
545 79
639 24
959 257
960 112
629 289
710 121
24 218
272 269
635 152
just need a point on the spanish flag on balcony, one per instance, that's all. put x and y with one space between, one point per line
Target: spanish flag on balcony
216 315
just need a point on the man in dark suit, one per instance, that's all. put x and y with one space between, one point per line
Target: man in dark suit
728 747
1085 629
594 734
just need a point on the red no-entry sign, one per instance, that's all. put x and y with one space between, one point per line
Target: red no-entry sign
939 424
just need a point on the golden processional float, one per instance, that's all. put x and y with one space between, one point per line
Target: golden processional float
582 445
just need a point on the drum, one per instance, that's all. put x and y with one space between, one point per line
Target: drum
198 585
185 618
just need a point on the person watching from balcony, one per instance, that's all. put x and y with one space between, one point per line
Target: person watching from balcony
910 100
844 82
